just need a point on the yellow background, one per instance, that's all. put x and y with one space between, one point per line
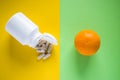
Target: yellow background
19 62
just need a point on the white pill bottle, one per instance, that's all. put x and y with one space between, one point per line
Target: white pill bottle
26 32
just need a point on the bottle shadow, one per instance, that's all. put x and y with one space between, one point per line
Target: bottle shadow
82 62
20 54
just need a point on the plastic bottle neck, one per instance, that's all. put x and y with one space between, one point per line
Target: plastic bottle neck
34 38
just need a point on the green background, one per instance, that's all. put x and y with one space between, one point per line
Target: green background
102 16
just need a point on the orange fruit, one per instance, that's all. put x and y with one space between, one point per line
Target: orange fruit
87 42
